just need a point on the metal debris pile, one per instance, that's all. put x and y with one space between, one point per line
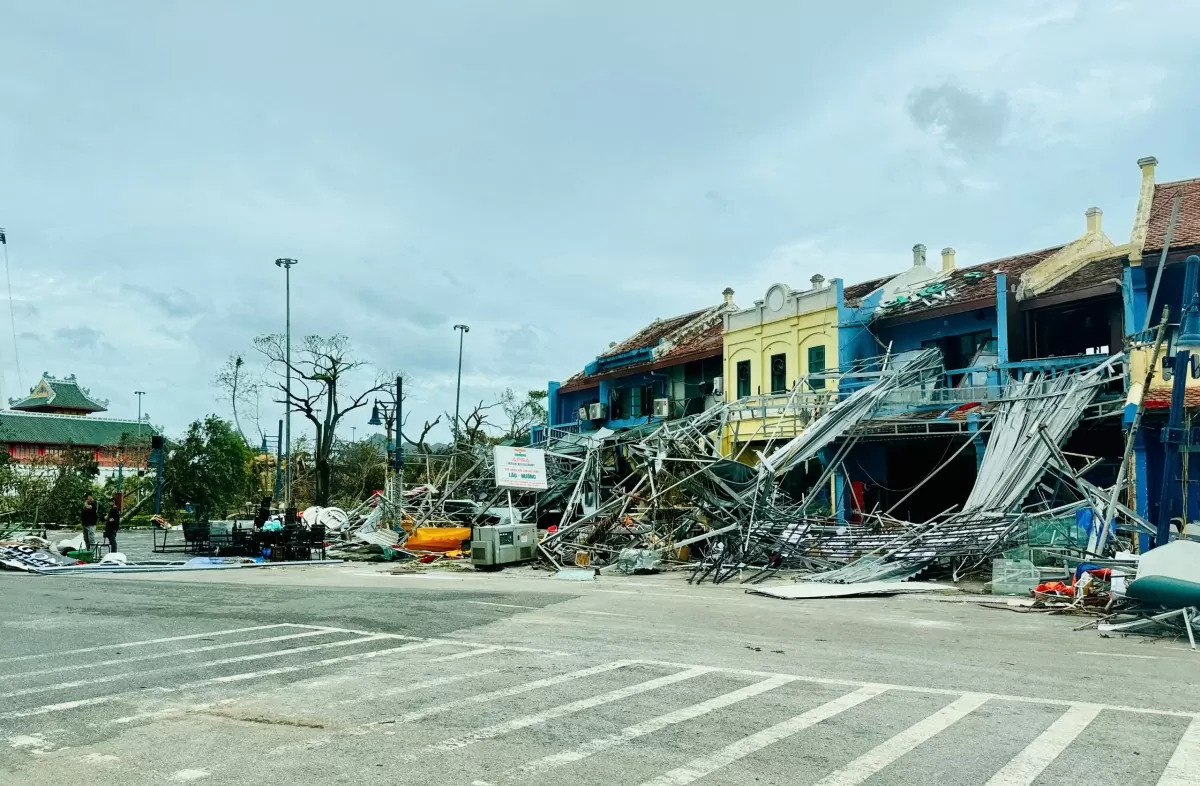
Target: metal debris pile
664 496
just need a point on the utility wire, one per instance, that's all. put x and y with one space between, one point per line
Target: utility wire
11 314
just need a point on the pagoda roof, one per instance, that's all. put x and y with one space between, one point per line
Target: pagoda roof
53 393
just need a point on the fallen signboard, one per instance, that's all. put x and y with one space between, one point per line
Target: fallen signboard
520 468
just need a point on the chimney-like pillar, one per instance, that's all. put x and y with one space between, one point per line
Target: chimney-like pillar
1141 219
947 259
728 293
818 281
919 255
1147 164
1095 218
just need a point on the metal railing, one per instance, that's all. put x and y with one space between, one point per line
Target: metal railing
542 435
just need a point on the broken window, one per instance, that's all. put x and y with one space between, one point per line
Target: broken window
743 378
618 404
779 373
816 365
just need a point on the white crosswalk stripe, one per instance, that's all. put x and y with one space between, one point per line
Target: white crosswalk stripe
1049 745
706 765
496 730
421 687
595 746
1184 767
887 752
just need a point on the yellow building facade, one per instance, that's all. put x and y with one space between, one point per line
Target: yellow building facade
787 339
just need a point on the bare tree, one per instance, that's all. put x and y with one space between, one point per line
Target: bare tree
473 426
419 443
523 412
230 380
319 369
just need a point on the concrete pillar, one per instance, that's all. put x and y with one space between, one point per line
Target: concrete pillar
1002 316
1135 295
553 416
973 423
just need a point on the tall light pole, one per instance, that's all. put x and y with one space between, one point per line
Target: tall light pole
139 394
287 265
463 330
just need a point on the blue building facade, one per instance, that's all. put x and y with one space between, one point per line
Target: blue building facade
670 368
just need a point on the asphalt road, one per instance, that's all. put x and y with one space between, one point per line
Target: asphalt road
350 675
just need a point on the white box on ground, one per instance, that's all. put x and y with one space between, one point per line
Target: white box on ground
520 468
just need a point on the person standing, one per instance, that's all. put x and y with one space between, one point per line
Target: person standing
113 523
88 518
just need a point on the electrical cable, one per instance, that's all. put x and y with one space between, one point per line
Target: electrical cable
11 314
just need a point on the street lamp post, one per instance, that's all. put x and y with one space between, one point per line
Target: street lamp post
382 415
1185 363
139 394
462 331
287 265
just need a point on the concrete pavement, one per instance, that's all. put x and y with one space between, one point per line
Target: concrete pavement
351 674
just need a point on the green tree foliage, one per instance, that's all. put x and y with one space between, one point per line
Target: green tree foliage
523 412
210 468
49 489
358 469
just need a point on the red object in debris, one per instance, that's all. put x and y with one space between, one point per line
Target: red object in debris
428 558
1054 588
552 528
857 491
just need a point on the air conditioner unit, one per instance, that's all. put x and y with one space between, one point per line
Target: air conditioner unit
662 407
718 386
583 413
503 544
597 411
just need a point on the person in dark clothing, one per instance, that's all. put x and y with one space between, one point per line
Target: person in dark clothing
88 518
112 524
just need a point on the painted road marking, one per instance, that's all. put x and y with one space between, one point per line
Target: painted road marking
222 662
505 693
1184 765
1024 768
96 700
888 751
652 725
940 691
172 654
562 710
144 642
504 605
704 766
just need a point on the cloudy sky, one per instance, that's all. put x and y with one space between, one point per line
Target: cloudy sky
553 174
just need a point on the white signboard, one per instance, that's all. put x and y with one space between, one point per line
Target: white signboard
520 468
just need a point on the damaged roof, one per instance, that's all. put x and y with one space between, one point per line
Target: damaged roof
853 294
965 285
1100 272
1187 228
691 342
652 334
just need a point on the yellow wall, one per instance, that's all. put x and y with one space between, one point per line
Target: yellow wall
793 336
1159 388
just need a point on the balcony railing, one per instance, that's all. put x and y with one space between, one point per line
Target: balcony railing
544 435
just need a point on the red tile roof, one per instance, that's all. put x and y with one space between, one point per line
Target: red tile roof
653 333
700 344
961 289
1187 228
853 294
1094 274
709 342
1160 397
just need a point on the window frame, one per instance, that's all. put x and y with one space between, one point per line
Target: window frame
737 378
816 383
